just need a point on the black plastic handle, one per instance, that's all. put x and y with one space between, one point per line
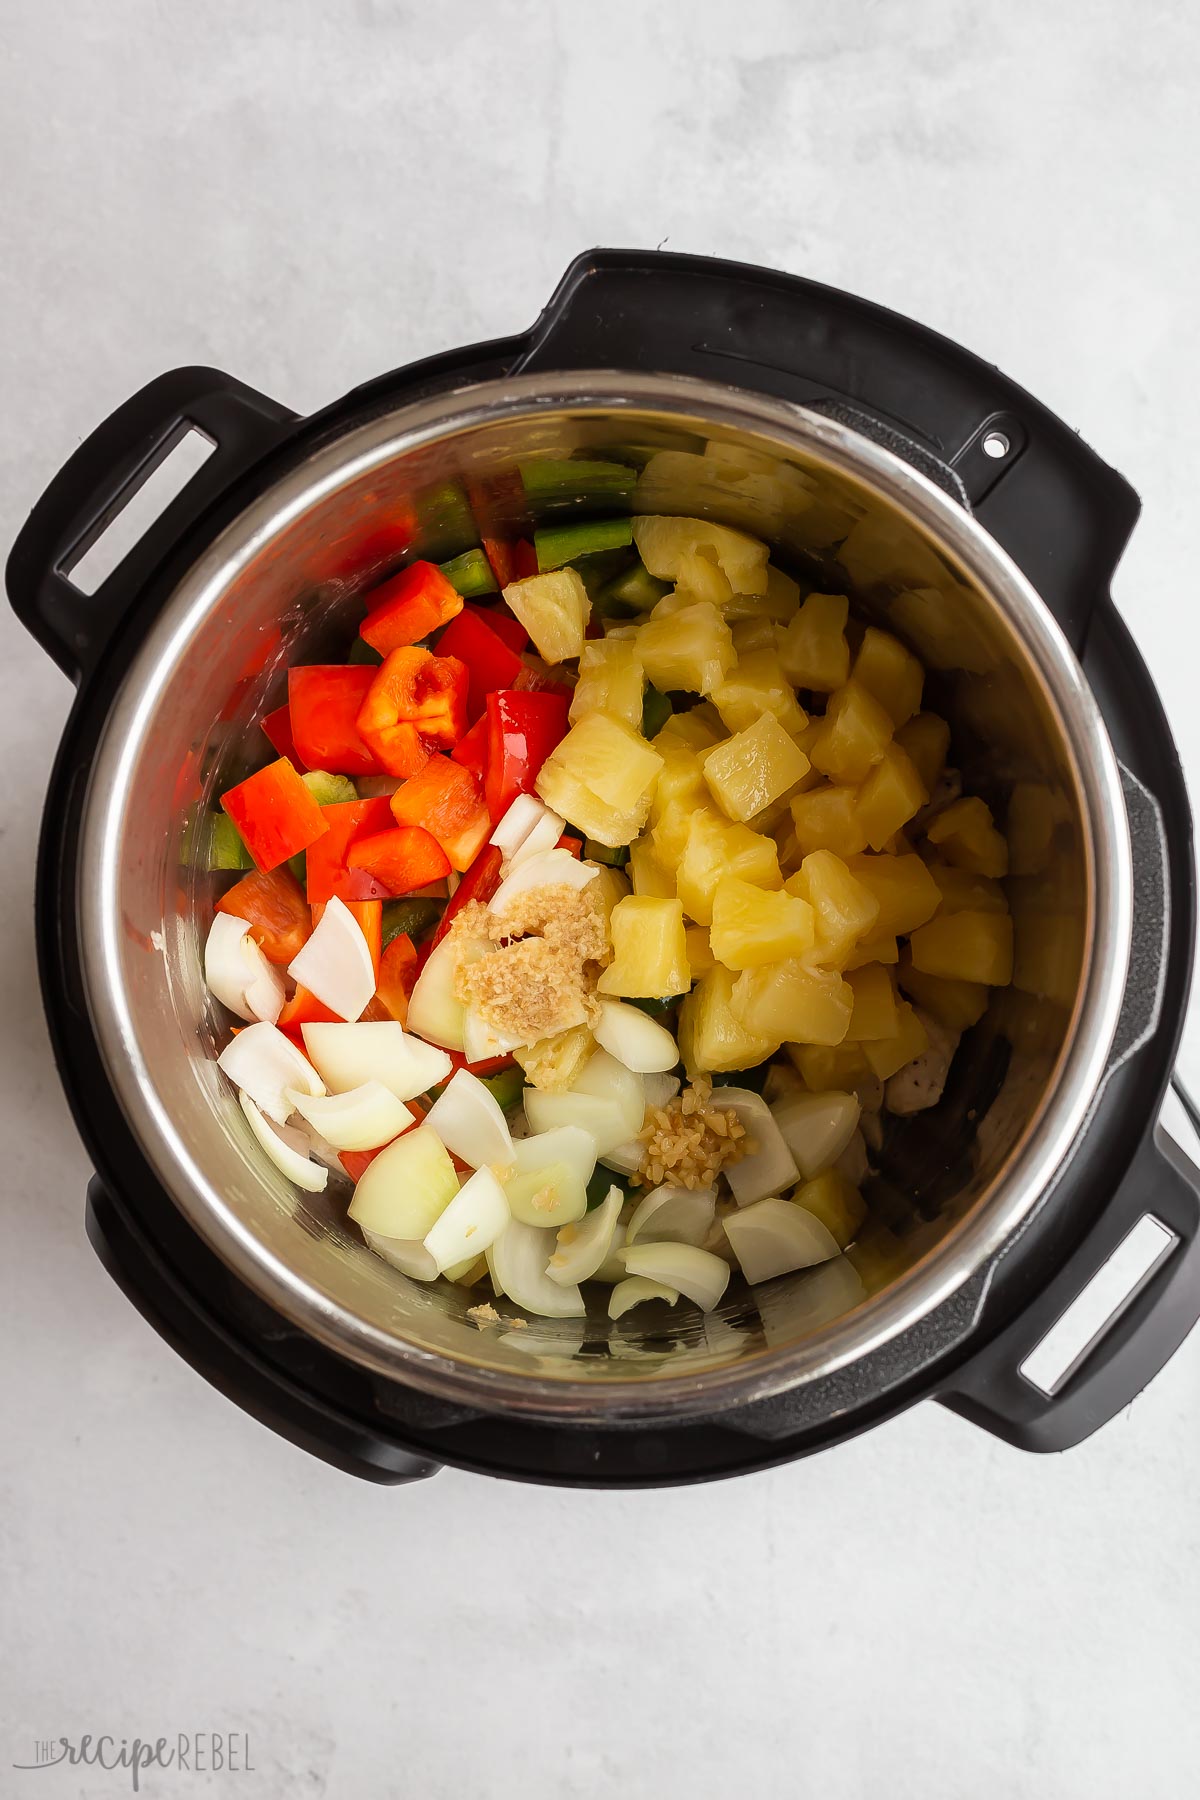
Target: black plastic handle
107 469
1060 512
992 1392
233 1365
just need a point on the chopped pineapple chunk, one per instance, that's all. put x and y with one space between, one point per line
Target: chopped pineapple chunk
890 796
887 1055
963 892
855 733
615 768
826 818
845 910
814 651
751 926
649 950
955 1004
908 895
757 684
824 1067
968 839
926 739
711 1039
700 578
715 848
875 1014
609 885
699 950
674 824
753 768
662 544
647 873
554 1062
793 1001
783 595
890 672
874 949
698 727
681 777
967 946
610 681
690 649
836 1202
554 609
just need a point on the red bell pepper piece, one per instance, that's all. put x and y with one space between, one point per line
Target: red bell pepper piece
275 814
573 844
277 912
324 702
525 561
403 859
448 801
415 700
523 729
369 914
397 976
409 607
499 553
278 728
327 869
471 751
488 660
510 631
304 1009
535 678
387 541
479 883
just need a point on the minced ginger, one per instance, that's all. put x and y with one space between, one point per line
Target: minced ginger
540 978
687 1142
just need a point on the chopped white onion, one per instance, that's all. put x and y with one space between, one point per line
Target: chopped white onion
237 972
518 1260
636 1040
525 814
605 1077
480 1042
405 1190
660 1089
585 1247
816 1127
612 1269
470 1122
375 1050
361 1119
633 1290
695 1273
624 1158
770 1166
543 837
335 964
564 1144
434 1012
471 1223
409 1255
288 1159
264 1063
605 1120
672 1215
550 868
773 1237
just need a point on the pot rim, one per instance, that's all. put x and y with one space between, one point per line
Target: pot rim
1027 1173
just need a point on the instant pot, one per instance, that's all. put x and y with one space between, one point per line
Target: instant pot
878 459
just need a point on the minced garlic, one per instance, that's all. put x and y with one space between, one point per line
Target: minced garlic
689 1141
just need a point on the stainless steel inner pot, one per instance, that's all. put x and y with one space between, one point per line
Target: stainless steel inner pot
282 583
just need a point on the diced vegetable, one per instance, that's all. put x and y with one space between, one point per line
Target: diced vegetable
416 701
434 1012
527 829
471 1223
769 1166
275 910
408 1255
583 1248
569 1145
635 1290
635 1040
324 701
672 1215
558 544
364 654
274 813
816 1127
549 1196
471 573
328 871
447 801
346 1056
413 917
523 729
518 1261
549 479
277 728
407 1187
698 1274
471 1123
264 1063
358 1119
284 1151
490 662
411 606
774 1237
649 950
336 964
471 751
222 847
549 868
238 974
554 609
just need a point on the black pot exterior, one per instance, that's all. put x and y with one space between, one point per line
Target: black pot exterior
1062 515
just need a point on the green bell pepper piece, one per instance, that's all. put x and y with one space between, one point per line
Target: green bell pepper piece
471 573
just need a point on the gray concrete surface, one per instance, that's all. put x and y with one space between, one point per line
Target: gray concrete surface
305 194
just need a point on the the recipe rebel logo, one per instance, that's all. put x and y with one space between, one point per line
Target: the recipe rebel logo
192 1752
